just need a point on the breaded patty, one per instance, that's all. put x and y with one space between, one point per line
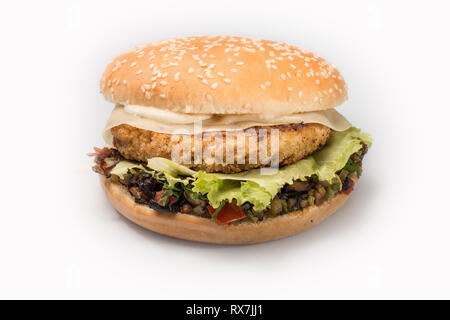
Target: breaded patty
296 141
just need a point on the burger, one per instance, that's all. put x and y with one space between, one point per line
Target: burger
226 139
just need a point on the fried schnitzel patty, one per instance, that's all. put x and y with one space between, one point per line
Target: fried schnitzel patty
296 141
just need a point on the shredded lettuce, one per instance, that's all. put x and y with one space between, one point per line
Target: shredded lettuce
254 186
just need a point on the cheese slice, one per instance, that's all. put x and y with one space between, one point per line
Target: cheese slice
162 121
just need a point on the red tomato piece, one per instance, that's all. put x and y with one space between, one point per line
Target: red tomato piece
168 201
229 213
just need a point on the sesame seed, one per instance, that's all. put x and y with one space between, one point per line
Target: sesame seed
239 63
271 54
283 76
229 59
290 58
139 72
125 82
191 70
147 86
133 64
204 81
142 89
148 95
300 93
234 70
220 74
177 76
289 75
268 83
164 83
317 81
214 85
290 89
124 60
227 80
331 90
262 86
162 95
293 66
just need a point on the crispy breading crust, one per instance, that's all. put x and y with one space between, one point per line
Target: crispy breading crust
296 141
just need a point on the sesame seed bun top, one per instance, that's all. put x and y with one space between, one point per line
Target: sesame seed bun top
223 75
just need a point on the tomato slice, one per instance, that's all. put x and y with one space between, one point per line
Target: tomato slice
168 201
350 188
229 213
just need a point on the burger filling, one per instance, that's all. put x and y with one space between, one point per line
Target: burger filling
251 195
295 142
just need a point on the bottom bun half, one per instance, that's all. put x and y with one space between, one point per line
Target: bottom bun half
190 227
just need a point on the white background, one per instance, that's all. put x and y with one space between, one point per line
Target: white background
60 238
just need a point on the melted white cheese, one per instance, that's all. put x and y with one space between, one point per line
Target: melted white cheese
163 121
